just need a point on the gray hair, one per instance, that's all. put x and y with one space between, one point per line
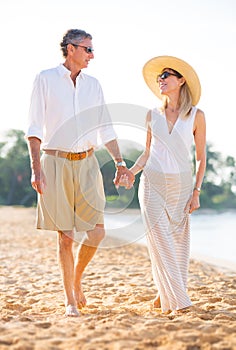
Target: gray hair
73 36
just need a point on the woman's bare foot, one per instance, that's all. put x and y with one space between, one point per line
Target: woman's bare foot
167 312
80 297
157 302
71 311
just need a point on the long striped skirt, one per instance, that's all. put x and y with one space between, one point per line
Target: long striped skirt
163 198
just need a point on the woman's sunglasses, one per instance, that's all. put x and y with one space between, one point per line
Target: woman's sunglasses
165 75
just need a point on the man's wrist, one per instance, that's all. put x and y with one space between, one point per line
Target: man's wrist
121 163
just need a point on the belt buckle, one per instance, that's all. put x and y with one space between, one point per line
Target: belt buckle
78 156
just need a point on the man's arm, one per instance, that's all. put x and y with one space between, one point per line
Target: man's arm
113 149
37 177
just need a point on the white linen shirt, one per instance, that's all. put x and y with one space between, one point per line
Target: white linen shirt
67 117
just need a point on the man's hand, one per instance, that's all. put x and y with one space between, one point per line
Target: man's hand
38 181
124 177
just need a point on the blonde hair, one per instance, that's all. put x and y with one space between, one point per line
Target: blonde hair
185 101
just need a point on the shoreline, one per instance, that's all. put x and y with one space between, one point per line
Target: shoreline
223 265
113 235
134 231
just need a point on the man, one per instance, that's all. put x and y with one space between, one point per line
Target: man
67 115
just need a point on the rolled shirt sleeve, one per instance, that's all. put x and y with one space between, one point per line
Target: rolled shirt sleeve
36 110
106 130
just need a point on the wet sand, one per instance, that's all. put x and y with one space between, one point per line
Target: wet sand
119 289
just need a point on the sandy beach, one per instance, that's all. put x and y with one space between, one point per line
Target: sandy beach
119 289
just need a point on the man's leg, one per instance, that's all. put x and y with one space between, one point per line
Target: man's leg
85 253
66 262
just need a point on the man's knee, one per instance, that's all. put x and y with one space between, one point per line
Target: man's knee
65 239
97 234
100 232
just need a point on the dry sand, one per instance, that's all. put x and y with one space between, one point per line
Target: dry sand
119 288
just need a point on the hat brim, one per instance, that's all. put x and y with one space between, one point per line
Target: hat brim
156 65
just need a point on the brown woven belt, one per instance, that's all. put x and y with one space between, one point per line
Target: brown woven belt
69 155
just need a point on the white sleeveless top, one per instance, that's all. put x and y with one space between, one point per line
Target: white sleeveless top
171 152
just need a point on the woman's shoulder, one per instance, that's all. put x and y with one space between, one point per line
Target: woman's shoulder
200 115
156 111
152 114
199 119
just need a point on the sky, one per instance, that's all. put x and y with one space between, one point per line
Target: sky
126 34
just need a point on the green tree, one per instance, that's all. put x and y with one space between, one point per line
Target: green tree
219 182
15 187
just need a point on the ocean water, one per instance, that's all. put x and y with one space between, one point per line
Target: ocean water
213 235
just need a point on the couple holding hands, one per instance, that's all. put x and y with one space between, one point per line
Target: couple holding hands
67 115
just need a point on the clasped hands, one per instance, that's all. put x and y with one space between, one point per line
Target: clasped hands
124 177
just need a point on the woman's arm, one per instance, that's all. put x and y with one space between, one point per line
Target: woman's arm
200 146
142 160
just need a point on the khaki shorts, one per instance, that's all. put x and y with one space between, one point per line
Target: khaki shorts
74 194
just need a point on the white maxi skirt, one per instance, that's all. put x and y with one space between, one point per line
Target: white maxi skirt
163 198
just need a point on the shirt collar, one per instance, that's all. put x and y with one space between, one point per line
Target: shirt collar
64 71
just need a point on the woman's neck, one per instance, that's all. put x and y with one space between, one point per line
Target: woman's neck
172 107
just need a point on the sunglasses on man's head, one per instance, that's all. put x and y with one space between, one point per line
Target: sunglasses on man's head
88 49
165 75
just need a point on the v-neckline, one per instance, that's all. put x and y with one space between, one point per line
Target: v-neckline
171 124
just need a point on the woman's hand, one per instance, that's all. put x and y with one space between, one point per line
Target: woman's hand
193 203
126 181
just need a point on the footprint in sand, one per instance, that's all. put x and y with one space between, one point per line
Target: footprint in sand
215 300
25 319
119 299
11 305
226 316
207 317
230 301
43 324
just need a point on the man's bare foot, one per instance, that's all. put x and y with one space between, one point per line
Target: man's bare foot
71 311
80 297
157 302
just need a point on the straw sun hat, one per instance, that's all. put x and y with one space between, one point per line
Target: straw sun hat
156 65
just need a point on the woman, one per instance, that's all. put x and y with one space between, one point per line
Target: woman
167 192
